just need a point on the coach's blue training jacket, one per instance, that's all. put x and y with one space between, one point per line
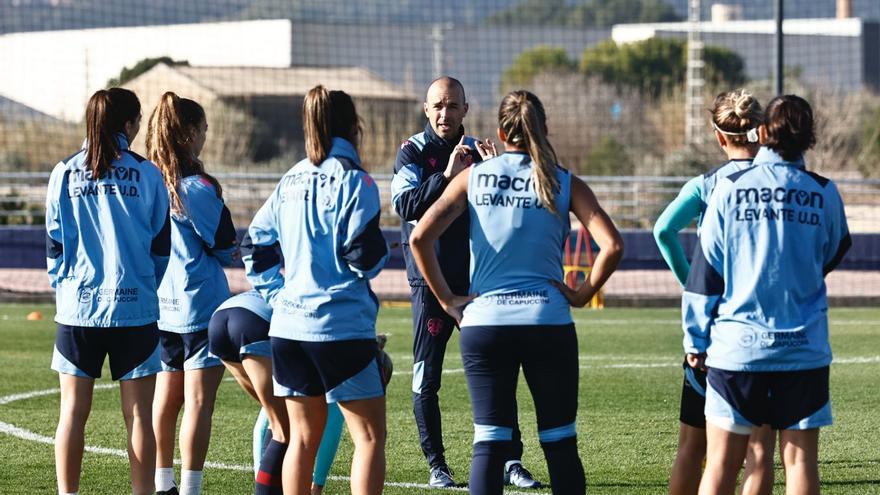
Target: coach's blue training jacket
516 245
202 242
755 298
325 219
418 181
107 240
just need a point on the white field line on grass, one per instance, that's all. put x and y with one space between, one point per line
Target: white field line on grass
31 436
670 363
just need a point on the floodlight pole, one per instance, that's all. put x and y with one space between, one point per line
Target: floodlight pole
780 50
694 118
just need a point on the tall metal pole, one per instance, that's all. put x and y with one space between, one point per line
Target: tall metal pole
437 37
780 50
694 116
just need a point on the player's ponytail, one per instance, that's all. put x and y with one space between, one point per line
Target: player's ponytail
522 118
170 131
107 113
328 114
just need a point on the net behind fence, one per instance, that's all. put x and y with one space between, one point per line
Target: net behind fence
626 85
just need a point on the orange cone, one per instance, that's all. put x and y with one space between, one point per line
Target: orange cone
34 316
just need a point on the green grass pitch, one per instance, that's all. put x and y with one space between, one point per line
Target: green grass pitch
627 423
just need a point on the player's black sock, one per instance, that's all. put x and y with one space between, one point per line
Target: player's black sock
487 467
564 464
269 475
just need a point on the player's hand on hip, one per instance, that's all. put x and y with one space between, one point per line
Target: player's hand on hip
455 306
459 160
577 298
697 361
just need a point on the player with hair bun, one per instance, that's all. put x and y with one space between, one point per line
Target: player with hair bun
518 314
203 241
755 308
736 116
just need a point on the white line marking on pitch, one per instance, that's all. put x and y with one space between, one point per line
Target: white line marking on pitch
31 436
664 364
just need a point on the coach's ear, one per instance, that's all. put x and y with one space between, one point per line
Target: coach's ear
762 133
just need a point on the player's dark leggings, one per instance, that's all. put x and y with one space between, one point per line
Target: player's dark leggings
432 328
548 355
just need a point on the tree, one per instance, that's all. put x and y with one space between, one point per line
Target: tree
585 13
139 68
535 61
657 65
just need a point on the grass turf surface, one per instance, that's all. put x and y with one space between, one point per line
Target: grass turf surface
627 423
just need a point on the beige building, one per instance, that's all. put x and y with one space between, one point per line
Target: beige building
255 113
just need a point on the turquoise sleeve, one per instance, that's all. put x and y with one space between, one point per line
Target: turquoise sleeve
261 430
329 444
678 215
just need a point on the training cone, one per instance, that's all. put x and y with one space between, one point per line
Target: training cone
34 316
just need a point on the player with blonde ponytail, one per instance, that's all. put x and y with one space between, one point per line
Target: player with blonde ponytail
203 241
518 312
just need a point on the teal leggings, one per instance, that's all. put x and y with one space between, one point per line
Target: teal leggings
326 451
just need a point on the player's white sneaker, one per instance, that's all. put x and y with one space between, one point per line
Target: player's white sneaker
517 475
441 477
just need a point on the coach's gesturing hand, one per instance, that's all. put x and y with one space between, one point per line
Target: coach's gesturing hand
486 149
459 160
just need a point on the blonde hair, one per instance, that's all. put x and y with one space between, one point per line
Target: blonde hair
734 114
169 132
522 118
328 114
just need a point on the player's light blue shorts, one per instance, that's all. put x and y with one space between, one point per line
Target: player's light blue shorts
786 400
133 351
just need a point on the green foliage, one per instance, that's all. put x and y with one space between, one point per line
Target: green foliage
608 157
869 160
585 13
127 74
657 65
532 62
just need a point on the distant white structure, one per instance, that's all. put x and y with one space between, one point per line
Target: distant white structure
725 12
56 71
841 54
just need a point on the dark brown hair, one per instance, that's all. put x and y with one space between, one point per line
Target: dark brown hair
522 118
790 126
328 114
172 125
107 113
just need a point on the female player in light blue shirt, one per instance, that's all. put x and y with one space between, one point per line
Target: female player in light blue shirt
324 217
755 307
518 314
107 245
735 117
203 241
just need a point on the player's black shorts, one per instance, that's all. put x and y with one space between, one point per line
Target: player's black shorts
236 332
341 370
693 397
133 351
186 351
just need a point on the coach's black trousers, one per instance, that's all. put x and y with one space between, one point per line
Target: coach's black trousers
432 328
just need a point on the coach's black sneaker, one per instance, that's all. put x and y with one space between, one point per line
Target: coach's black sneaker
172 491
517 475
441 477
